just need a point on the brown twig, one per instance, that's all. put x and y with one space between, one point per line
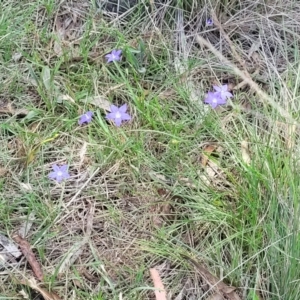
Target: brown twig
46 295
30 256
214 282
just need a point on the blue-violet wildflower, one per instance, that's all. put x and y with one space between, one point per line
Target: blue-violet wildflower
118 114
209 22
214 99
59 173
223 91
85 118
115 55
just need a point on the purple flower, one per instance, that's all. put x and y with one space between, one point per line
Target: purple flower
115 55
85 118
209 22
214 99
59 173
118 114
223 91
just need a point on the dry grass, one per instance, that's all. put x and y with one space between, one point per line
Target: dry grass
141 196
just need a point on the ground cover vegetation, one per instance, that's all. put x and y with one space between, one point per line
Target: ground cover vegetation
159 135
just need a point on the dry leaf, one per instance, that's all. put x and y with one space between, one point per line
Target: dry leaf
290 136
254 47
77 283
30 256
159 213
160 292
88 275
21 112
228 289
9 246
9 109
211 167
82 153
26 186
208 150
6 109
60 34
245 152
100 102
33 151
214 282
3 172
215 296
166 94
47 295
3 259
213 170
57 48
24 294
16 56
65 98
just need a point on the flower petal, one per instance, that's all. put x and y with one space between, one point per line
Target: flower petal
228 94
222 101
81 120
109 58
118 122
126 116
118 52
59 178
224 87
55 167
217 88
52 175
123 108
66 175
64 168
114 108
110 116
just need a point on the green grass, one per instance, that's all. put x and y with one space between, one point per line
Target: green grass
151 199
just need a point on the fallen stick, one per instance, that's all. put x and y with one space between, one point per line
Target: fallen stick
30 256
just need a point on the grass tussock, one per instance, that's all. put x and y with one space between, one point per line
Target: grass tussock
180 182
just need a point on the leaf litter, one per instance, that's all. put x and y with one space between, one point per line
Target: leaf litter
209 162
31 282
9 246
76 250
245 152
9 109
215 283
99 101
211 167
30 256
159 292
